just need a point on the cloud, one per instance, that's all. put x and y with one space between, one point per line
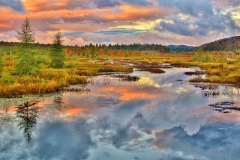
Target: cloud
120 32
14 4
65 34
138 2
9 36
129 12
45 5
200 25
48 144
211 142
125 21
123 135
180 27
194 8
76 145
226 3
106 3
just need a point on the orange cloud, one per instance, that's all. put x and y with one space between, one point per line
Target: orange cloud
35 10
88 16
127 94
12 109
5 25
131 93
129 12
9 110
8 14
74 111
85 26
36 5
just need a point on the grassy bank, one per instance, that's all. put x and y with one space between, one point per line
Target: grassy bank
50 80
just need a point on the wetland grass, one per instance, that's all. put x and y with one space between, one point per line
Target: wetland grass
77 68
53 80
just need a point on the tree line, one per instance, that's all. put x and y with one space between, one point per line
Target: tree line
132 47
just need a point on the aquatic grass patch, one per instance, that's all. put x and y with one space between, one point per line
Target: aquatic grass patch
149 67
115 68
126 78
195 73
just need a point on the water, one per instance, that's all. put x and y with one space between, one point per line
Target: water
158 117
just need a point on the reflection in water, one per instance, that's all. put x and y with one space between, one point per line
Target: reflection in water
224 107
195 73
149 67
126 78
27 114
155 117
214 91
210 94
79 89
5 104
207 86
59 103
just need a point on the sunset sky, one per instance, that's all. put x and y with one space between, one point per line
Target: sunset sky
190 22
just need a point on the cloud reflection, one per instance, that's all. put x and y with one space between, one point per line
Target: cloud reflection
128 121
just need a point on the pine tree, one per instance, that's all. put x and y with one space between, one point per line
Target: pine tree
57 54
26 62
26 36
27 115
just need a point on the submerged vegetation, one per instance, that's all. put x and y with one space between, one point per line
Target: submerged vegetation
28 68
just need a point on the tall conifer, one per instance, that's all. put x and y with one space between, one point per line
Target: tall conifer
57 54
26 62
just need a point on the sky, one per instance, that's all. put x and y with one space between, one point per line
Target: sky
190 22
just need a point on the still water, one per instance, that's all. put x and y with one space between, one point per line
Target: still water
155 117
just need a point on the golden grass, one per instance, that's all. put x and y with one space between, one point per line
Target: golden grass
78 68
51 80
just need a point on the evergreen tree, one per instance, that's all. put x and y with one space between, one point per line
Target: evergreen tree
26 62
93 52
26 36
85 53
27 115
57 54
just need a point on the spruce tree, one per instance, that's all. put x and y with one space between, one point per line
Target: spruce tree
26 62
57 54
26 36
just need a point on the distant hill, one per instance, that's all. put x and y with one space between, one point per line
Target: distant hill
226 44
181 48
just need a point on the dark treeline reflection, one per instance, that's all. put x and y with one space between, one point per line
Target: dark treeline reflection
59 103
27 114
